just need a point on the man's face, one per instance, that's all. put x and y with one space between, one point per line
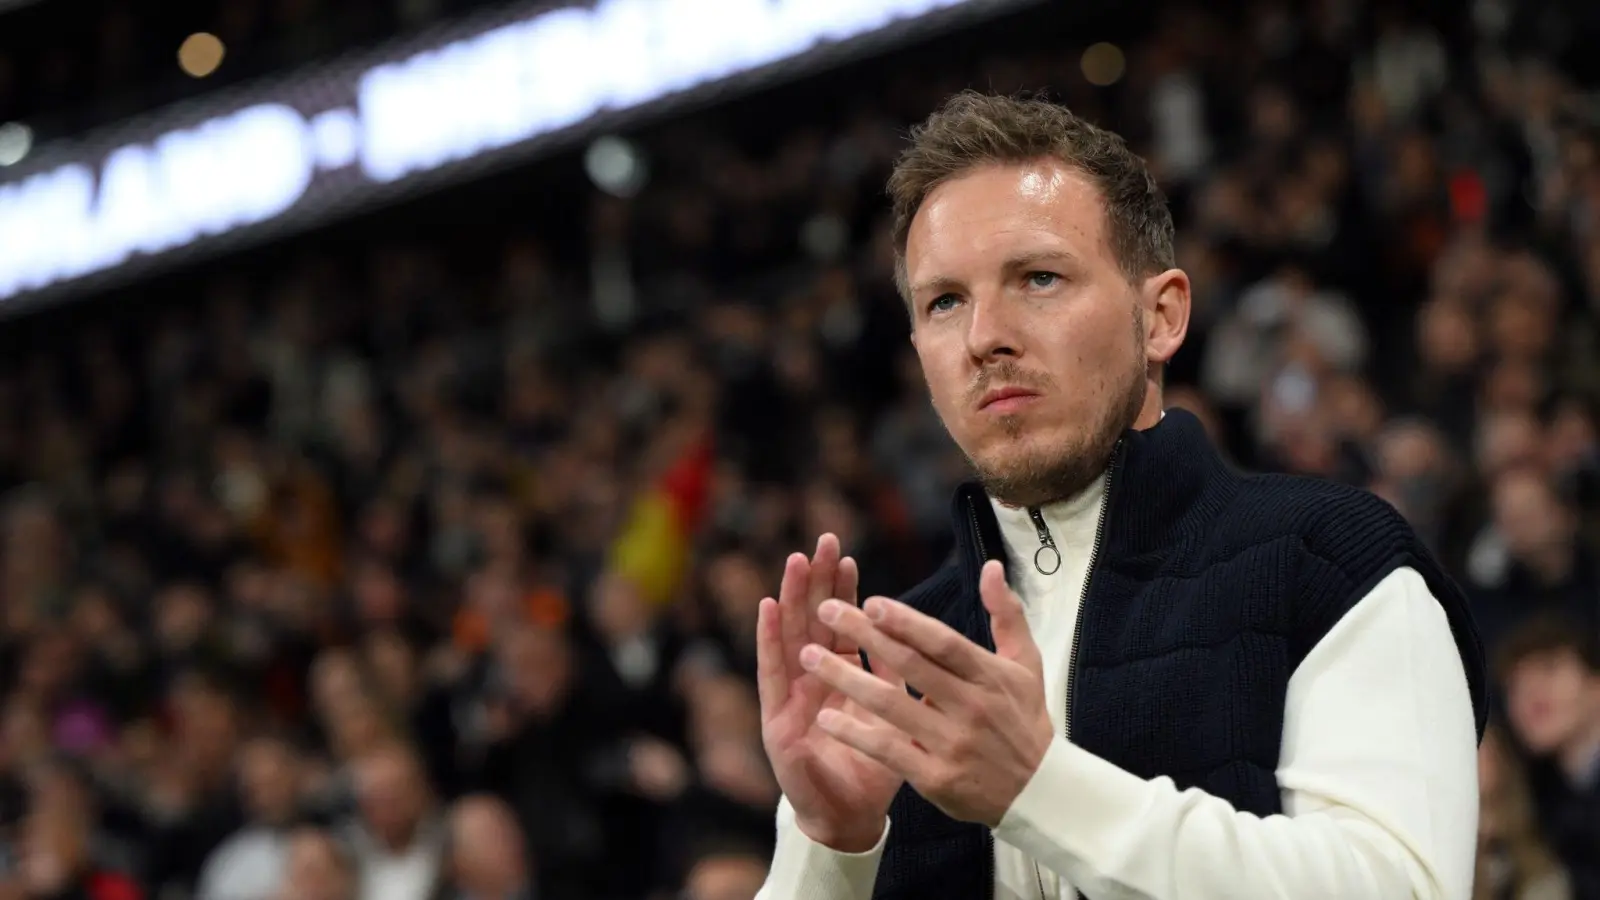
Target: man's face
538 666
1527 515
314 870
486 850
1550 699
391 796
268 779
1015 290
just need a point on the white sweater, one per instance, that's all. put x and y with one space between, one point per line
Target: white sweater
1378 769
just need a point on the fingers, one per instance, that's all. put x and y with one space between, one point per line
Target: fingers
845 585
886 670
888 701
917 670
772 668
929 637
847 580
792 598
877 739
1012 639
824 570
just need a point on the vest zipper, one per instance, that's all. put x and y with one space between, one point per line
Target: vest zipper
1047 559
1047 542
1077 625
1088 576
977 533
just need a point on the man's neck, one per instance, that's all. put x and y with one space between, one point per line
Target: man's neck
1067 525
1057 503
1148 418
403 842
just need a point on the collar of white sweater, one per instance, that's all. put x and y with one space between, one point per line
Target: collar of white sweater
1070 524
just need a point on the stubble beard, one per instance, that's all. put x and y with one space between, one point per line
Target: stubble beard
1042 475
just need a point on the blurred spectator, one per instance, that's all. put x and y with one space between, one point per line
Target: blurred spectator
319 868
1514 862
1551 672
1530 560
556 749
54 859
488 854
396 838
250 864
500 478
190 797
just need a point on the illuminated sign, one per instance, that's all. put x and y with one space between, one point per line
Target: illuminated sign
293 154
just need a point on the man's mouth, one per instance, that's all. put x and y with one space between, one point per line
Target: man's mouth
1006 399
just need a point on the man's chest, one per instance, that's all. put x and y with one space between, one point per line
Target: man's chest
1053 604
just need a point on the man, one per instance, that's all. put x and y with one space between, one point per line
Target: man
1204 686
1545 566
1550 669
317 867
397 840
55 858
488 854
249 865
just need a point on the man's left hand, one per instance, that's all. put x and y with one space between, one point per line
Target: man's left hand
982 726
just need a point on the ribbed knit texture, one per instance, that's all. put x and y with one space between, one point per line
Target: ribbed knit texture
1210 589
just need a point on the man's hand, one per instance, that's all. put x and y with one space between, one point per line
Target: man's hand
982 727
840 795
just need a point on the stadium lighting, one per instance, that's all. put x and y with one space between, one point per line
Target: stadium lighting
200 54
16 139
616 167
284 155
1103 64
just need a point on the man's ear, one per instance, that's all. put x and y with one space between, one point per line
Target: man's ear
1166 314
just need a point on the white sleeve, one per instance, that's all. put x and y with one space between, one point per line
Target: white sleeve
803 869
1378 769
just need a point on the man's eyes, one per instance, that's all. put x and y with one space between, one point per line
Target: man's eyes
1038 280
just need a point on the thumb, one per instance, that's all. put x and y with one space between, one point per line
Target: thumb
1012 639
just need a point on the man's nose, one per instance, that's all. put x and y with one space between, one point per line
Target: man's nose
992 329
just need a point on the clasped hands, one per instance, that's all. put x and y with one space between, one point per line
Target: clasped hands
978 733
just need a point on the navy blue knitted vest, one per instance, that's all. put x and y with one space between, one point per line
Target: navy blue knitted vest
1208 589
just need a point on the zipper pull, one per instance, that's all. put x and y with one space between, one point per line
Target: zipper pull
1047 559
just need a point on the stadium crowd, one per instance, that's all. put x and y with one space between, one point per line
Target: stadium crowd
385 574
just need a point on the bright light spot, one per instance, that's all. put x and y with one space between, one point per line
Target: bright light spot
616 167
336 137
1103 64
16 139
200 54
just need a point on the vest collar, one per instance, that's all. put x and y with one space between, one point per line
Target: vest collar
1164 480
1171 481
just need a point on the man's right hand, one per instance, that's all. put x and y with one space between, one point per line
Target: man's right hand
840 796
